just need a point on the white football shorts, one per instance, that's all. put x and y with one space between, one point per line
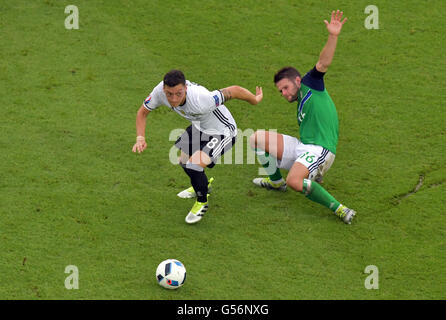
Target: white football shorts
315 158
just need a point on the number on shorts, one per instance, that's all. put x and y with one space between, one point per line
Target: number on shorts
211 144
309 159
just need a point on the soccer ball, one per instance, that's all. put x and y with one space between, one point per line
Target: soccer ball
171 274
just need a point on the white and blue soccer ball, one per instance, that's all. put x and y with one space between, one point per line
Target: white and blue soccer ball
171 274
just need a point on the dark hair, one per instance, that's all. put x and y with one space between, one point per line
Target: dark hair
173 78
287 72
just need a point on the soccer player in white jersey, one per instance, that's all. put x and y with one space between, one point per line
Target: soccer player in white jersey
213 130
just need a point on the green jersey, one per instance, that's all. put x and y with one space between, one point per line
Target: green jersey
316 113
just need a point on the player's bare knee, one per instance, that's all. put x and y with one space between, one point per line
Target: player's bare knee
183 158
294 183
253 140
257 139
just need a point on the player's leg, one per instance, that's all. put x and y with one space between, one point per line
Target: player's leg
297 179
212 147
184 158
190 192
268 141
190 144
193 161
269 148
194 168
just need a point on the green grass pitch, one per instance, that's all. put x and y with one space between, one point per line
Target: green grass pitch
73 193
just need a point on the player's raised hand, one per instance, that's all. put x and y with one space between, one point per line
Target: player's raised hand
259 94
140 144
335 25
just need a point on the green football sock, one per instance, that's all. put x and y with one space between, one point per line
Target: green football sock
270 164
315 192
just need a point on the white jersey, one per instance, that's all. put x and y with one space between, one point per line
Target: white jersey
205 109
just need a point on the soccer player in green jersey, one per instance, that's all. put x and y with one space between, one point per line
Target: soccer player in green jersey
309 158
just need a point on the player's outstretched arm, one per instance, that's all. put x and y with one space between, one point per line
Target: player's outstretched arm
334 29
240 93
141 117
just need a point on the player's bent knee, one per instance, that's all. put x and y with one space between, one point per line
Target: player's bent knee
257 139
183 158
295 184
253 140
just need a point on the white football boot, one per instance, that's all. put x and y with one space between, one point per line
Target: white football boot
268 184
190 192
345 214
197 212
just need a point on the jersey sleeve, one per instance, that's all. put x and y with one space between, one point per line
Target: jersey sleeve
314 79
208 101
218 98
153 101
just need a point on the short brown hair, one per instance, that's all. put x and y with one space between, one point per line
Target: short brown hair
287 72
